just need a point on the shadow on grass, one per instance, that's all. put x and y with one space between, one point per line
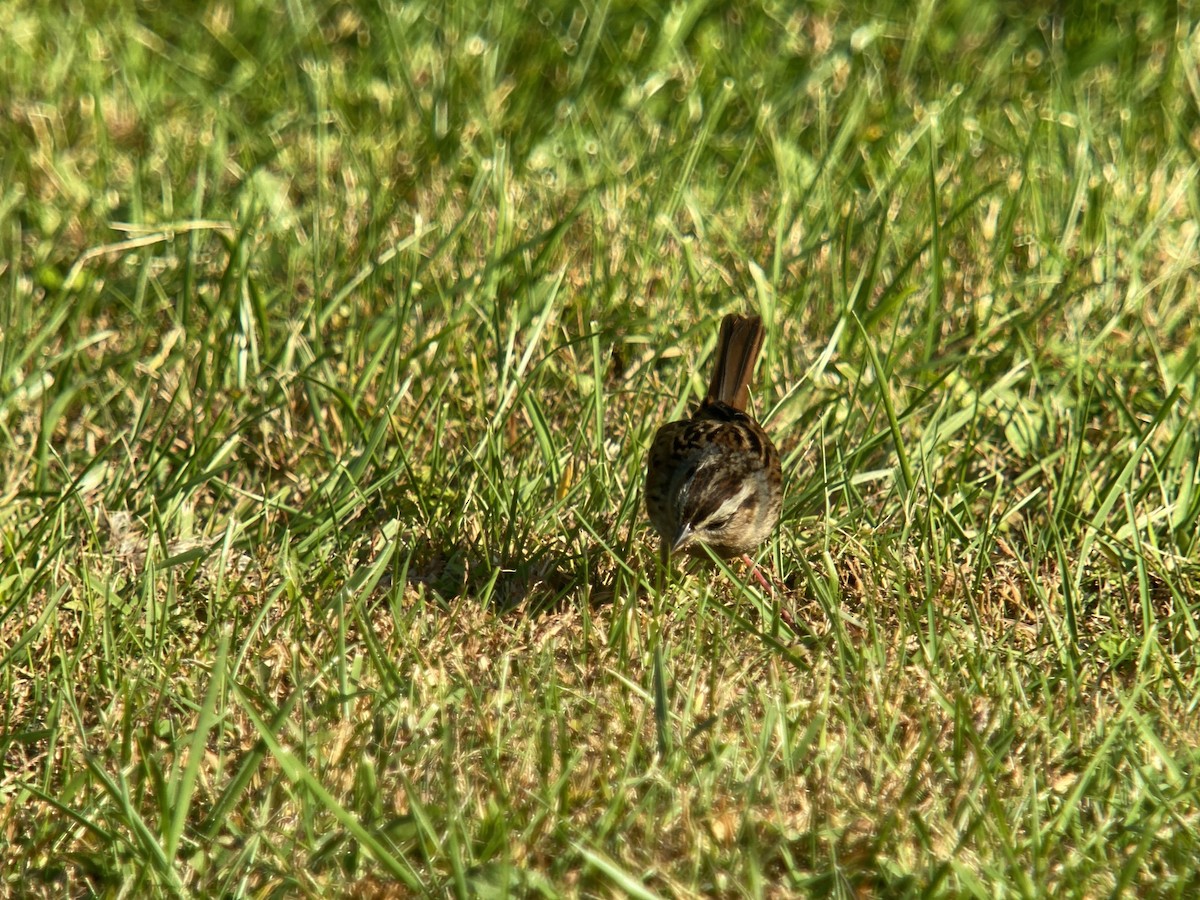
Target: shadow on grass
544 580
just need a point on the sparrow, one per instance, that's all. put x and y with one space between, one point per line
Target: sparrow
714 479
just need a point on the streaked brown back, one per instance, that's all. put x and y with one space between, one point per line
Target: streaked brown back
737 351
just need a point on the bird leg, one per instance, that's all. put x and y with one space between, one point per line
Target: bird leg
767 586
758 575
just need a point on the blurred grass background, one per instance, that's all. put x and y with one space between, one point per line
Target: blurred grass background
331 341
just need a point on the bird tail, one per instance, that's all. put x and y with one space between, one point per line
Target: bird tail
737 351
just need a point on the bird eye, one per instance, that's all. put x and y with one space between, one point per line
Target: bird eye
718 524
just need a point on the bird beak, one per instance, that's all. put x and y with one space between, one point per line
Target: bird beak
681 539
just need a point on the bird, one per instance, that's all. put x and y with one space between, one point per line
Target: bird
714 479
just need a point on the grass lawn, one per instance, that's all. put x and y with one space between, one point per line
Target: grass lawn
331 344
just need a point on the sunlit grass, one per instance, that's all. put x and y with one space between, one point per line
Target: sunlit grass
330 346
